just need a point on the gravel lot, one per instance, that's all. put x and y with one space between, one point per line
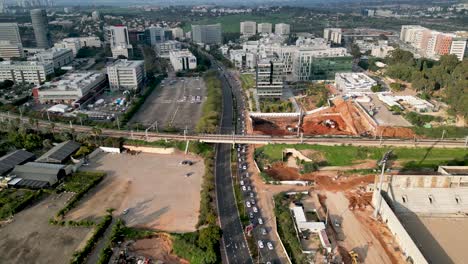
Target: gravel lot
153 187
173 104
383 116
31 239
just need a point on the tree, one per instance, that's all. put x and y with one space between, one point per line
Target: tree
398 56
376 88
396 87
355 51
97 133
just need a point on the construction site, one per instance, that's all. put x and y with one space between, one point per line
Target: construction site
345 117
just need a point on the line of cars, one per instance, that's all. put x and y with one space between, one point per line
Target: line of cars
257 222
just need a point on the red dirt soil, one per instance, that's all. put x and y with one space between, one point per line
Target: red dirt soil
314 125
399 132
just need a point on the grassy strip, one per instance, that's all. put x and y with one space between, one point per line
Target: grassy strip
80 256
13 201
71 223
436 132
80 183
207 195
139 101
247 81
211 109
201 247
349 155
286 229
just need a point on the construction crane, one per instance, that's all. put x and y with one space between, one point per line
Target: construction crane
354 257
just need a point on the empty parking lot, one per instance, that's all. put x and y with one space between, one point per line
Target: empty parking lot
154 188
175 104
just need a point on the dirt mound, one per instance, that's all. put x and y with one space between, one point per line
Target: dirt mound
280 172
359 200
274 126
317 125
341 184
158 248
398 132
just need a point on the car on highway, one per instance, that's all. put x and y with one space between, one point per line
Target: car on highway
260 221
244 167
252 201
241 183
244 188
255 209
248 204
270 246
263 231
252 195
249 188
260 244
251 216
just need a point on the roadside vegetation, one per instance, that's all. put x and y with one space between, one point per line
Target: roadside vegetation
247 81
200 247
349 155
211 108
15 200
275 106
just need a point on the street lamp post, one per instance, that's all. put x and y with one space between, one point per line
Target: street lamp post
382 163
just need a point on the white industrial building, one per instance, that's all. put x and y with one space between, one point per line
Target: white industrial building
10 50
248 28
182 60
58 57
25 71
264 28
282 29
126 75
352 83
75 44
162 49
72 88
418 104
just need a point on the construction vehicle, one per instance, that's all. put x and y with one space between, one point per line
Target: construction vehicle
354 257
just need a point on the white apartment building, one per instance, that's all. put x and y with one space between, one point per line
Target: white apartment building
10 50
126 75
162 49
58 57
248 28
182 60
458 48
72 88
351 83
282 29
270 78
381 51
75 44
178 33
10 32
333 35
242 59
25 71
264 28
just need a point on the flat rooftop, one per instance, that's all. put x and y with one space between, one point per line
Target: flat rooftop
440 239
127 63
73 81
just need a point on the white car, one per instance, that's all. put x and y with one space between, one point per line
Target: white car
244 189
260 221
260 244
252 201
241 182
249 188
244 167
248 204
270 246
254 209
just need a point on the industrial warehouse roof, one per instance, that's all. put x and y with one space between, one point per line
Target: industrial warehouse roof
17 157
60 152
37 172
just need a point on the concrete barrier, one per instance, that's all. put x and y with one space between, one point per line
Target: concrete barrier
110 150
153 150
302 183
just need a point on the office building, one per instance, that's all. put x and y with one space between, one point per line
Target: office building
207 34
164 48
282 29
96 16
10 32
351 83
9 50
40 24
248 28
75 44
182 60
58 57
264 28
25 71
119 41
320 64
154 35
72 88
178 33
270 78
243 59
126 75
333 35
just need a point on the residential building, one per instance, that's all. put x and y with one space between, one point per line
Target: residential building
163 48
72 88
458 48
25 71
58 57
282 29
10 50
334 35
96 15
248 28
10 32
242 59
178 33
182 60
264 28
351 83
72 44
126 75
40 26
207 34
381 51
270 78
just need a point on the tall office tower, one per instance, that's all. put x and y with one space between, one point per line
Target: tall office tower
207 34
154 35
264 28
282 29
41 32
270 78
10 32
248 28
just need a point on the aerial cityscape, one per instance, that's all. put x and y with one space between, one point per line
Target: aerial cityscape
234 132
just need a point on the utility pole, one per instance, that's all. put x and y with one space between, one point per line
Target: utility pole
382 163
466 141
443 134
118 123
